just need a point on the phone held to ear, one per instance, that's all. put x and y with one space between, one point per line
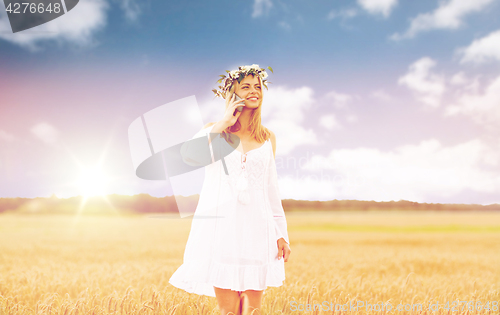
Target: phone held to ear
239 108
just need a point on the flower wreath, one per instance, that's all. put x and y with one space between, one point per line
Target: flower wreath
240 74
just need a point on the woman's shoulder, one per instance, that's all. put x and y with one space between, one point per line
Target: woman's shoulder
272 136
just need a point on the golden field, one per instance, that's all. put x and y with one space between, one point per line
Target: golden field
52 264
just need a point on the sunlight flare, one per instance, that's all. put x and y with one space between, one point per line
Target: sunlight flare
92 182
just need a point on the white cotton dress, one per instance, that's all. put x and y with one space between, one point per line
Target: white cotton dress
239 218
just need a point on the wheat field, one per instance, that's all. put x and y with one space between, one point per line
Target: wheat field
341 261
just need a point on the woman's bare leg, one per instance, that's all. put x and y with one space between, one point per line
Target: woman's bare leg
228 300
254 302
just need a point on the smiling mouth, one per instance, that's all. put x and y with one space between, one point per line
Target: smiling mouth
253 98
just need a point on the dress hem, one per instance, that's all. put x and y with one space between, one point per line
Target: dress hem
190 277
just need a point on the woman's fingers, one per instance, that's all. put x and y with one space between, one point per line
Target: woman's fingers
234 103
232 113
284 250
288 251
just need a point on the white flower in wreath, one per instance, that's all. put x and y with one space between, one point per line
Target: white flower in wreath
263 75
234 74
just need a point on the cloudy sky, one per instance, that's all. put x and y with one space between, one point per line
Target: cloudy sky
370 99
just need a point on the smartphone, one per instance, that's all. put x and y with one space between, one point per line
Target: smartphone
239 108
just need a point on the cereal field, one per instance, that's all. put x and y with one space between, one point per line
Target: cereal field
341 261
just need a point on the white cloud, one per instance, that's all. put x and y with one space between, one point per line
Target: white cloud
5 136
290 135
131 8
383 7
343 14
483 108
329 122
261 6
339 100
427 86
410 172
284 111
45 132
448 15
460 80
287 104
77 27
381 95
482 50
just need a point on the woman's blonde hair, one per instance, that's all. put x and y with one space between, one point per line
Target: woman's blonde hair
257 130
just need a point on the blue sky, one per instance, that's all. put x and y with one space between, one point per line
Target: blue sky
394 99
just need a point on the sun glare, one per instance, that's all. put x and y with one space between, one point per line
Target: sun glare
92 182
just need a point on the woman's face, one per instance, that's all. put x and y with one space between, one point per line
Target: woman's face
250 90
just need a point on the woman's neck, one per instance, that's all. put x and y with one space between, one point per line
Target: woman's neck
244 121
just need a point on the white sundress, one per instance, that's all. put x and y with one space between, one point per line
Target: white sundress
238 220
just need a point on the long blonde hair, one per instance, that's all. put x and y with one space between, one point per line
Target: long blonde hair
257 130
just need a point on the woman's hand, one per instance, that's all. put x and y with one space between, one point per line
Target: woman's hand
283 249
231 106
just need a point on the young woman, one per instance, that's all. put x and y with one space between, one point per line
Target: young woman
238 241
